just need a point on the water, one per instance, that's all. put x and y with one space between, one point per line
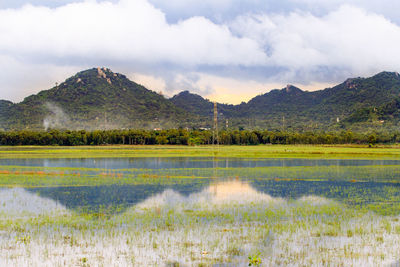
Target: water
353 182
187 162
192 212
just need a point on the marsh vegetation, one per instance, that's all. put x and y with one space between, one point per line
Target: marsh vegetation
277 206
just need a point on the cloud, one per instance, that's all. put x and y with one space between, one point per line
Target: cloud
124 31
225 10
19 3
256 44
128 35
19 79
348 40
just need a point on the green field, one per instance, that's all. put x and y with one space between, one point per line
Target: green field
259 151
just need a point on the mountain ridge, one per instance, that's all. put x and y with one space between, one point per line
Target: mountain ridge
98 98
92 95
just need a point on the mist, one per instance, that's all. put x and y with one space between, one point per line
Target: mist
56 119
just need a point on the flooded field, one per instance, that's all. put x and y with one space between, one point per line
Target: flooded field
208 210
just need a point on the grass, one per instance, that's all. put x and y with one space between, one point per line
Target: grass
205 228
331 215
260 151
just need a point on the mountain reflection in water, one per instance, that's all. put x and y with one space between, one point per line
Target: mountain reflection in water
117 198
19 201
289 179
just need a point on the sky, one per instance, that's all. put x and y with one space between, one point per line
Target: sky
224 50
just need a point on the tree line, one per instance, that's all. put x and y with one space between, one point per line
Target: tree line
190 137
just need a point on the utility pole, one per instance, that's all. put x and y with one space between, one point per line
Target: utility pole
105 120
215 128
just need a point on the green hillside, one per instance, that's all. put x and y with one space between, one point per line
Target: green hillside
95 99
387 115
100 99
293 108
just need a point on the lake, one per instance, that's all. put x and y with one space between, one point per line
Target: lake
208 211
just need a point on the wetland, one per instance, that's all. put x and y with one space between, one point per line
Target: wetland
200 206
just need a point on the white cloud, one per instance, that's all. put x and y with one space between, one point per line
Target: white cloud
223 10
125 31
157 84
257 48
19 3
131 33
348 39
20 79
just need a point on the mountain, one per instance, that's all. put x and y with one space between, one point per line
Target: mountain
358 93
288 99
287 106
196 104
324 106
4 106
389 112
193 103
94 99
291 107
101 99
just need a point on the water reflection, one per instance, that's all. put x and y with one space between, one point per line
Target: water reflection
223 193
187 162
113 198
117 198
338 181
179 225
234 191
39 201
21 202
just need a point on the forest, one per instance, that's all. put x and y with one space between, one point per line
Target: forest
191 137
